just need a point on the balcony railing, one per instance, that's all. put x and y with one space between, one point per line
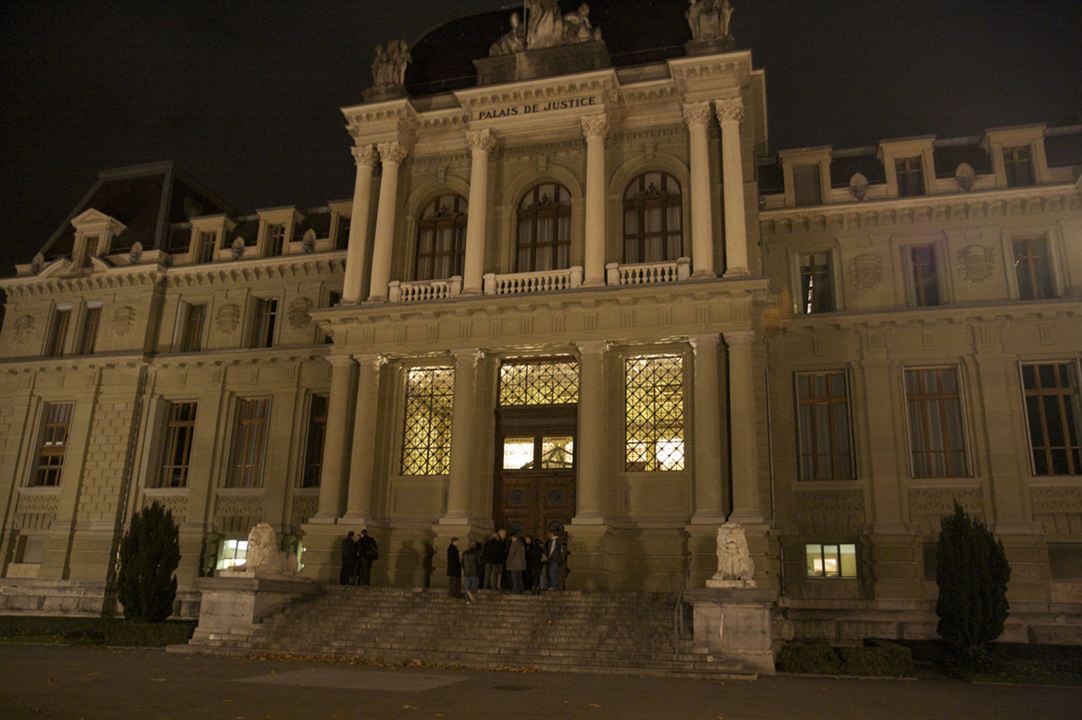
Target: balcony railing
533 282
648 273
424 290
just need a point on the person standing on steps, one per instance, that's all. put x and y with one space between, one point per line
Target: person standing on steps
472 567
516 563
367 553
493 554
454 570
349 560
554 549
533 564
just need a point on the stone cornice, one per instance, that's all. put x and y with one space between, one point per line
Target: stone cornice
116 278
697 75
276 268
601 81
136 360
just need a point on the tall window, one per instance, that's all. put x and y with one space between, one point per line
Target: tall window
426 437
823 426
276 238
177 449
807 187
208 247
264 319
544 229
654 413
58 332
653 219
910 173
1018 162
1055 418
936 434
191 332
52 445
249 443
317 436
816 283
441 239
88 335
341 239
1033 268
923 275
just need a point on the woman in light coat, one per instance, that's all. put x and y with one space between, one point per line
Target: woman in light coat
516 563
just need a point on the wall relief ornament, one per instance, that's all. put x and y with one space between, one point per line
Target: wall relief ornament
228 319
976 263
24 326
865 271
299 312
709 19
123 320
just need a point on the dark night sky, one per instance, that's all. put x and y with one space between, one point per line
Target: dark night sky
245 94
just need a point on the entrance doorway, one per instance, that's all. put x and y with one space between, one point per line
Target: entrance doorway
535 468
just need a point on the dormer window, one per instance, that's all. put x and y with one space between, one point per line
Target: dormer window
910 174
208 246
276 238
91 247
341 240
807 186
1018 163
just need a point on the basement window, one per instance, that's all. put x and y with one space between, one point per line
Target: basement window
831 561
233 554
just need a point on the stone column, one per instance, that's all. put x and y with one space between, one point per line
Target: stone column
391 154
481 143
730 115
596 129
357 255
462 437
743 429
331 495
590 489
709 501
361 465
697 116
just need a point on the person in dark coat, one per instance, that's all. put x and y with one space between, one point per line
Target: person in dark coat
349 560
533 563
454 570
554 550
367 553
493 554
472 567
516 562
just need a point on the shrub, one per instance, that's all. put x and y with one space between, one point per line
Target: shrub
811 658
95 631
972 574
149 555
876 659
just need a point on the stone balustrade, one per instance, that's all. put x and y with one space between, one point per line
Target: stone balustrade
648 273
533 282
424 290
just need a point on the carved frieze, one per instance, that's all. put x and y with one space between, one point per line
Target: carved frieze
248 506
34 504
976 263
929 505
829 511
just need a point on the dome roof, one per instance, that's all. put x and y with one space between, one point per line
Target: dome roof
636 32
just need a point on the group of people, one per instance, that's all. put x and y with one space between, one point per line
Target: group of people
358 554
531 564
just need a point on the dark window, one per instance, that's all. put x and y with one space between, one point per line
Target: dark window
276 238
1018 162
341 240
653 212
208 247
177 450
58 332
806 185
191 334
441 239
180 239
823 426
924 275
249 443
910 176
544 229
816 283
317 436
264 318
936 435
88 337
90 249
1055 418
1033 267
333 299
55 425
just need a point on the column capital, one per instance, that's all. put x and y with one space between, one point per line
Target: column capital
376 359
364 155
730 110
340 361
595 126
697 113
707 342
592 347
472 355
739 337
481 140
393 151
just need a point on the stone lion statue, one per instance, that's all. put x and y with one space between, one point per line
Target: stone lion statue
735 566
264 554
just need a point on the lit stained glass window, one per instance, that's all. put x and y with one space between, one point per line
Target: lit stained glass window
654 413
554 382
426 437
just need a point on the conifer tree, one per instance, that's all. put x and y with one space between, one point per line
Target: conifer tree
149 555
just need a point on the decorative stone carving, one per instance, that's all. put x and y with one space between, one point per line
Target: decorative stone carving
730 110
228 319
389 64
123 320
304 507
308 242
865 271
1056 499
966 176
735 566
594 126
512 42
928 505
365 155
176 504
544 24
246 506
578 28
299 310
34 504
858 186
24 327
697 113
484 140
264 556
37 263
135 253
976 263
709 19
829 511
392 152
237 248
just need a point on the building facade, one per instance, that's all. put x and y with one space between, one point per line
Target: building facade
573 292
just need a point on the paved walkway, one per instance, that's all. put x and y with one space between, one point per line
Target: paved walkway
73 683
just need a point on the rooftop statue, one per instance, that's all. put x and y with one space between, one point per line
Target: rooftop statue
389 64
709 19
544 24
578 27
545 28
513 42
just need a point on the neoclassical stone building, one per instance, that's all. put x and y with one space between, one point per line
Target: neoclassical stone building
573 289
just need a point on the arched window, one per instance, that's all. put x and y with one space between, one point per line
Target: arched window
653 222
441 238
544 229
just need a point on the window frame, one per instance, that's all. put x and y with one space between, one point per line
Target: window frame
169 442
60 450
207 251
799 306
1077 366
263 322
828 403
808 575
313 467
908 267
253 472
663 201
89 325
276 241
963 410
455 221
1050 257
403 397
56 339
1011 163
558 211
185 342
655 464
903 169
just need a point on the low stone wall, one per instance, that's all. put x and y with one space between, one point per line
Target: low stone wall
24 596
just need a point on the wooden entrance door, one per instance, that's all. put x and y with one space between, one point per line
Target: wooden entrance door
535 468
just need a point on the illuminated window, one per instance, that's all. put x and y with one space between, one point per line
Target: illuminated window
1055 418
55 425
936 435
823 426
1033 268
832 561
249 443
653 227
441 239
544 229
1018 162
816 283
539 452
177 451
233 554
317 436
555 382
654 413
426 437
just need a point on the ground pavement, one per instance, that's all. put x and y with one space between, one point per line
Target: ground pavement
43 681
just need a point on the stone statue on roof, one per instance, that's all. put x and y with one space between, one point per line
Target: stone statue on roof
578 28
544 24
709 19
389 64
513 42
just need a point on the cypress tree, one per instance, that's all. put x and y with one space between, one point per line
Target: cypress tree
149 555
972 574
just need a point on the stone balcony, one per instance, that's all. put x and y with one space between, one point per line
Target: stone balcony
648 273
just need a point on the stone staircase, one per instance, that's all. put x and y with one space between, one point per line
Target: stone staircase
624 633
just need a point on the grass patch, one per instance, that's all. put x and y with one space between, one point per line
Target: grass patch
1001 662
93 631
874 659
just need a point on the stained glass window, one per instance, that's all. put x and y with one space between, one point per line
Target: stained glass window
426 437
654 413
554 382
